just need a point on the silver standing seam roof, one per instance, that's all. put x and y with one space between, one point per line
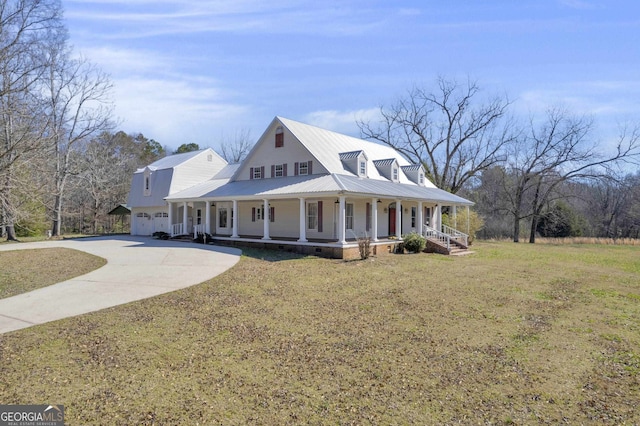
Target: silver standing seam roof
318 185
330 149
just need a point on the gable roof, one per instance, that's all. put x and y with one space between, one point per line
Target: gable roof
326 146
172 161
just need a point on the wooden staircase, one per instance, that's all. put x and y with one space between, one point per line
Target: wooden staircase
449 241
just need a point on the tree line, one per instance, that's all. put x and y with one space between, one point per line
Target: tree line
547 175
63 166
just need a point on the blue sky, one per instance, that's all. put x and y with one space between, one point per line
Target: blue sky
201 71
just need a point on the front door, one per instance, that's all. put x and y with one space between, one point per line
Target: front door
392 221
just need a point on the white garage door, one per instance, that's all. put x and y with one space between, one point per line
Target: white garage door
161 222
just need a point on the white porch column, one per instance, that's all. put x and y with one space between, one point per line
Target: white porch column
234 219
266 219
374 219
342 221
455 217
398 219
303 222
185 217
207 217
419 218
170 218
468 216
437 221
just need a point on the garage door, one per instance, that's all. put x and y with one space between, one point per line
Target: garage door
161 222
144 225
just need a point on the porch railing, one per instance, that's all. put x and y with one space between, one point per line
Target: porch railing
430 233
177 229
461 237
198 229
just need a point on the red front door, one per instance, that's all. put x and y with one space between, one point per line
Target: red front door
392 221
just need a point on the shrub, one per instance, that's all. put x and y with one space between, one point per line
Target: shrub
364 247
414 242
475 223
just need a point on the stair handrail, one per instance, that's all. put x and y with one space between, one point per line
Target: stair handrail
455 234
429 232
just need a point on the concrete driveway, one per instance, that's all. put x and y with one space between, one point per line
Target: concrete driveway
137 268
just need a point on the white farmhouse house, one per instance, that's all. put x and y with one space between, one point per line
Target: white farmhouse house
301 188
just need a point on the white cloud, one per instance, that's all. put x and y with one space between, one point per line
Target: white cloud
341 121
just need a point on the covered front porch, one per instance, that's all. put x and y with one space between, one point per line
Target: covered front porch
328 226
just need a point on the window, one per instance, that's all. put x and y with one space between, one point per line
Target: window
162 215
257 173
279 137
222 223
349 216
363 168
312 216
146 183
395 174
209 158
279 170
303 168
199 217
421 178
413 217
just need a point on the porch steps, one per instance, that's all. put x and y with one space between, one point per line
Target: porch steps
435 245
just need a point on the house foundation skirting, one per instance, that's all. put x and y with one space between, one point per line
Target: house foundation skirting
347 251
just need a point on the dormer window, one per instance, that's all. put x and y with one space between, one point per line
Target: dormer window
279 137
395 174
421 178
146 189
363 168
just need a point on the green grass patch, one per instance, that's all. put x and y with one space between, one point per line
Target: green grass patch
25 270
511 335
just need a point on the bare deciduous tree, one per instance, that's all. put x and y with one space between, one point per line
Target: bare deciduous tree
78 109
448 131
236 149
27 28
558 150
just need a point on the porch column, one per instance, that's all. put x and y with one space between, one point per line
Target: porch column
342 221
455 217
468 216
438 219
207 217
374 219
303 222
234 219
185 217
170 218
398 219
419 218
266 218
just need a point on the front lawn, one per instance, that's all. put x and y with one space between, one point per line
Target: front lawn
515 334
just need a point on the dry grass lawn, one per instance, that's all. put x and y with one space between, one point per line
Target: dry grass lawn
25 270
515 334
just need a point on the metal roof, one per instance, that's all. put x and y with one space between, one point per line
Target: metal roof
349 155
174 160
310 185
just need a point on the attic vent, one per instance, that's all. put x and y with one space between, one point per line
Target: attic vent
209 158
279 137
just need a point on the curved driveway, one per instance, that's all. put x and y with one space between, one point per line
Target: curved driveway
137 268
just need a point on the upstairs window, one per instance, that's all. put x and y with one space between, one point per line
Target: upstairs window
279 137
303 168
395 174
256 172
363 168
421 178
278 170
